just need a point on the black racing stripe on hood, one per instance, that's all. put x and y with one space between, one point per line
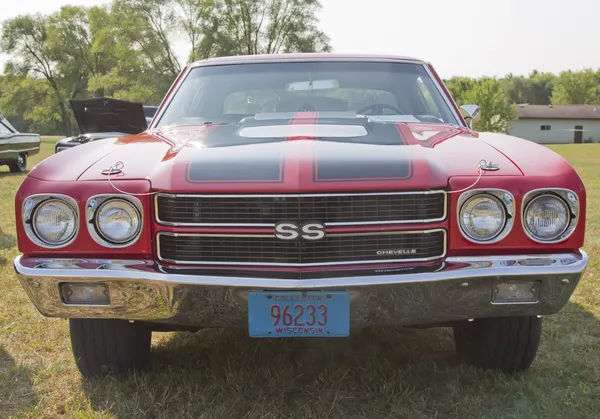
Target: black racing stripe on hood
383 157
226 158
241 164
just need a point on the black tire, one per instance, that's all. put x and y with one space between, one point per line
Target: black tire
109 346
506 344
19 165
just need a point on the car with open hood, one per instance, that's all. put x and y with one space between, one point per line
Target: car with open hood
16 147
99 118
303 196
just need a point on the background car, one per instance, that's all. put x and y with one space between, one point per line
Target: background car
100 118
16 146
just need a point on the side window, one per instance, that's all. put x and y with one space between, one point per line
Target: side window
429 102
4 129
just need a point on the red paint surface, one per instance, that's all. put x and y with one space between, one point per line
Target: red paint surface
444 157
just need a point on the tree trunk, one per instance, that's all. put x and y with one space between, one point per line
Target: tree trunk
66 121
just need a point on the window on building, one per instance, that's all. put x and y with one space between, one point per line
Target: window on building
545 127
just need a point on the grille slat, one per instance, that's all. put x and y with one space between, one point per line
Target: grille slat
339 209
342 249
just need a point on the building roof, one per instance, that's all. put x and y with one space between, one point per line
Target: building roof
558 111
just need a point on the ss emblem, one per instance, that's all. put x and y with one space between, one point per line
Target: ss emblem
311 230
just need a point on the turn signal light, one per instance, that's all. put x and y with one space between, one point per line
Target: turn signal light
85 294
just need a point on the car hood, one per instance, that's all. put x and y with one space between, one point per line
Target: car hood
299 155
100 115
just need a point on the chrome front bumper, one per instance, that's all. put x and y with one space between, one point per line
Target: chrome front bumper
462 289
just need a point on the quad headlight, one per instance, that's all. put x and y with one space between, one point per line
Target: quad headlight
114 221
51 221
485 216
118 221
550 216
54 222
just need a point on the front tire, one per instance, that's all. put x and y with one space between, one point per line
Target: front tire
506 344
109 346
19 165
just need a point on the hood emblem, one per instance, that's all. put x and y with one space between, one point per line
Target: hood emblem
113 170
488 166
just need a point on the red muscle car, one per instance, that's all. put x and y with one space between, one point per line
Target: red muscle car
303 196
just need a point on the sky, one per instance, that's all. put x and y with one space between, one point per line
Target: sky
460 38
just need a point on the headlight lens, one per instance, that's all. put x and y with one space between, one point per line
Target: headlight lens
54 222
482 217
118 221
547 217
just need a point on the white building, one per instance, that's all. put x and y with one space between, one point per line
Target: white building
560 124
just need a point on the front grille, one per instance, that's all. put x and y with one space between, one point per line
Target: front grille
342 248
267 210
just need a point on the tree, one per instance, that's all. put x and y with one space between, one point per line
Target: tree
29 102
581 87
148 28
541 88
536 89
458 86
496 109
270 26
27 39
196 21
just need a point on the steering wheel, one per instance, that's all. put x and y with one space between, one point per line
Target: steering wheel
379 107
307 107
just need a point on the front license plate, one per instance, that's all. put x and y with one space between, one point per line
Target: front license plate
299 314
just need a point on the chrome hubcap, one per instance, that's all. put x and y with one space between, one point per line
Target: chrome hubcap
20 160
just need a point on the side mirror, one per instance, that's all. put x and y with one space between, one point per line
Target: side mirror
470 113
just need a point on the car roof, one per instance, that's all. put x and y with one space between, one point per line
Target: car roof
313 56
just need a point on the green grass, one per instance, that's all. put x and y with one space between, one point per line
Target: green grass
387 373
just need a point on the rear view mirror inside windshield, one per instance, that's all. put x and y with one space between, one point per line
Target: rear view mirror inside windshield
312 85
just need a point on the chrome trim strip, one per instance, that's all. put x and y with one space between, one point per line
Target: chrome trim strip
445 97
455 268
505 197
568 196
323 58
90 212
24 150
176 195
27 213
356 262
299 196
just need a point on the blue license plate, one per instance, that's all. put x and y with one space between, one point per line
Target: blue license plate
299 314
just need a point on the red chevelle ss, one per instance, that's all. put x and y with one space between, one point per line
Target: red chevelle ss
303 196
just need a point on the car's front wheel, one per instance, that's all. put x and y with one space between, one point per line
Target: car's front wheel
19 165
109 346
507 344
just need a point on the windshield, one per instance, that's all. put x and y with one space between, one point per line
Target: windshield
228 93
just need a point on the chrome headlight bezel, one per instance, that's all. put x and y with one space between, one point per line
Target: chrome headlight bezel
568 197
91 210
29 208
506 200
